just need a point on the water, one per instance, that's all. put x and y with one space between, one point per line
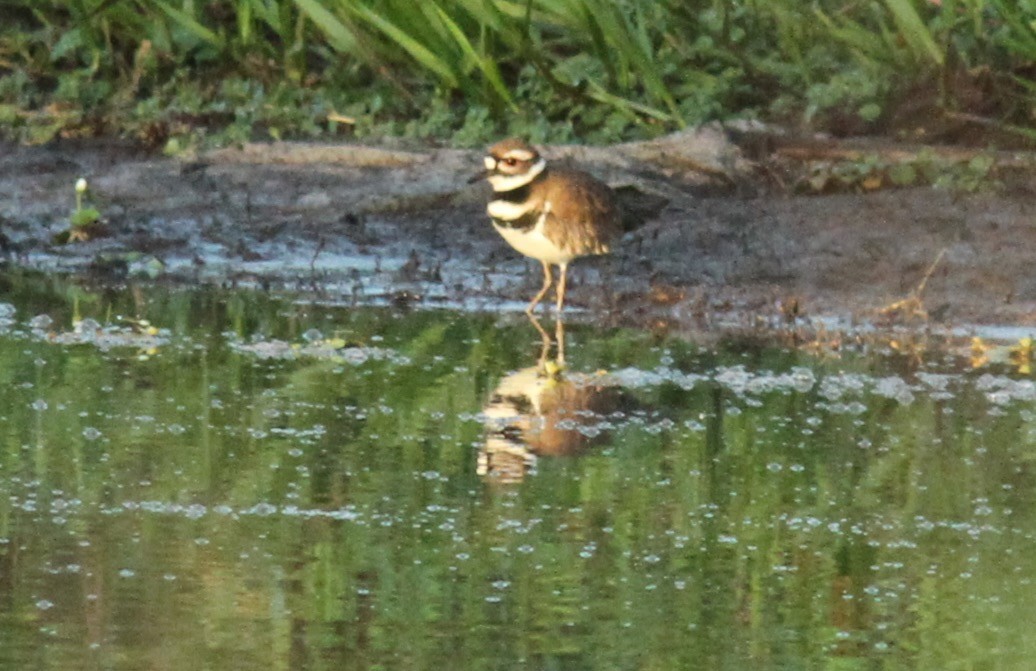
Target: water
252 482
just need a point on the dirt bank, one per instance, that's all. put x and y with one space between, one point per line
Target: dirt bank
709 239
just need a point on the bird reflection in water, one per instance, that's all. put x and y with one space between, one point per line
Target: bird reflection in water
544 410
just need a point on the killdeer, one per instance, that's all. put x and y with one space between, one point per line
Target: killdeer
549 214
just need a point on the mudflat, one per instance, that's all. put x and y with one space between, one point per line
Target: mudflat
710 234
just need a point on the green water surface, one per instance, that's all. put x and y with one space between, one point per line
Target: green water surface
269 483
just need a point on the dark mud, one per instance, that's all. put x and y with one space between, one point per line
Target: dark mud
709 241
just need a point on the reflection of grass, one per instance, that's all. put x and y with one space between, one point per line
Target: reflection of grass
1019 355
770 505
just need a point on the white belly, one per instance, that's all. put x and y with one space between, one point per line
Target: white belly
534 244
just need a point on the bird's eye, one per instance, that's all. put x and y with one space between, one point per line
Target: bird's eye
510 161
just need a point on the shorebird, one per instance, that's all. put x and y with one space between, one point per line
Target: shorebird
553 215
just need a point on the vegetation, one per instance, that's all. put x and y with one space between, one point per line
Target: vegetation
173 71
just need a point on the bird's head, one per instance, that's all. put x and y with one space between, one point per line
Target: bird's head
511 164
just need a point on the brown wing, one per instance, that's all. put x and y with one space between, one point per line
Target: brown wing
584 217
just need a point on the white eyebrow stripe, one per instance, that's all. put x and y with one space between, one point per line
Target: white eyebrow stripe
520 154
511 182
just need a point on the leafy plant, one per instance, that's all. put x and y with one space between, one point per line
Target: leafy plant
178 73
871 172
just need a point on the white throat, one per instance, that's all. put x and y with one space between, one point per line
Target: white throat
511 182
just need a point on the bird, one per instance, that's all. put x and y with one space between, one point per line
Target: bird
534 413
551 214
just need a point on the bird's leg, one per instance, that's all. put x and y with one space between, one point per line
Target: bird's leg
559 337
545 341
561 287
548 279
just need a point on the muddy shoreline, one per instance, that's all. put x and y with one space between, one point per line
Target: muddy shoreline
709 241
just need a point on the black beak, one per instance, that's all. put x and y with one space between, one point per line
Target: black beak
481 175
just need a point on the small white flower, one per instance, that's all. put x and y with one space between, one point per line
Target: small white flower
81 185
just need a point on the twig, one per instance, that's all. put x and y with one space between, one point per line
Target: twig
320 247
913 305
931 269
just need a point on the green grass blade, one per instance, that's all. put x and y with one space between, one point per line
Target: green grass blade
630 107
869 44
191 25
338 33
487 65
419 52
914 30
1022 35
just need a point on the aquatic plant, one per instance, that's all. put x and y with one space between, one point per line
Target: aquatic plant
83 220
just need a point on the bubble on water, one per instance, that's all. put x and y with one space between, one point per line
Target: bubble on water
127 573
802 379
590 431
1002 390
43 604
39 404
312 335
90 433
355 355
195 511
834 387
41 322
86 326
261 509
894 388
987 381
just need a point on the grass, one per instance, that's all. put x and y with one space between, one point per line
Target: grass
174 73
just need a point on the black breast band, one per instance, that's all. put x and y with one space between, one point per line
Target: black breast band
523 223
527 221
